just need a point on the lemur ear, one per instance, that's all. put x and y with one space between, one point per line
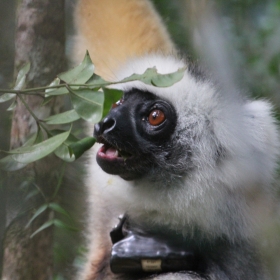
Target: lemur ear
114 31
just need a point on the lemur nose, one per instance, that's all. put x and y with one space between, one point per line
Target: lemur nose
104 126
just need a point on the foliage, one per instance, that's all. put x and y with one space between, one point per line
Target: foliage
90 97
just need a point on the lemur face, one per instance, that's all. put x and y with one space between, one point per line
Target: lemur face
138 127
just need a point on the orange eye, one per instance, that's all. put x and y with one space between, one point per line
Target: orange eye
156 117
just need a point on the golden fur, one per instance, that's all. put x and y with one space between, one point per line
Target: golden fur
114 31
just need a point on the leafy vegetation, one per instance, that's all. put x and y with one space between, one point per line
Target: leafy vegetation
90 97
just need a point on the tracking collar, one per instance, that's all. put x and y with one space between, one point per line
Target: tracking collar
135 250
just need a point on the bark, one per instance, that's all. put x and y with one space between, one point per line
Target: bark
39 40
7 16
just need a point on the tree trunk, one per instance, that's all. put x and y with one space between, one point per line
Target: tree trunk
7 16
39 40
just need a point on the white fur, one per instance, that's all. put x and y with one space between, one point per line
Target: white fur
217 197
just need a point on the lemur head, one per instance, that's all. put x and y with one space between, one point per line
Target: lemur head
173 132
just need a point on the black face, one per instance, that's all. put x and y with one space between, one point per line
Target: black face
135 131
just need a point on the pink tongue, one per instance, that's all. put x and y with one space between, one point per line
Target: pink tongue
111 152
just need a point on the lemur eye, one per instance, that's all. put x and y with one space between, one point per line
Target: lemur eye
120 102
156 117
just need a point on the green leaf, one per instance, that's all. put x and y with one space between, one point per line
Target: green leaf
167 80
111 97
66 117
39 136
80 74
55 82
97 82
88 104
78 148
55 91
44 226
28 143
34 138
6 97
25 155
146 77
60 224
64 153
58 91
20 81
12 106
57 208
152 77
73 148
39 211
8 163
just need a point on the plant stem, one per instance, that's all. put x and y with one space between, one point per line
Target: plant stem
32 114
39 90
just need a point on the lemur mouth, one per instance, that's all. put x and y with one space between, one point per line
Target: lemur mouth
110 152
117 160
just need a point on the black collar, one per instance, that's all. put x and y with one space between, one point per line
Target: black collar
137 250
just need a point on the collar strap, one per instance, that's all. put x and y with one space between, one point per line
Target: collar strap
135 250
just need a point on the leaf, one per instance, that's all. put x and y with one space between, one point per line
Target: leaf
12 106
152 77
39 211
55 91
88 104
80 74
64 153
146 77
34 138
19 84
60 224
39 136
42 149
58 91
25 155
73 148
20 81
55 82
6 97
28 143
111 97
44 226
96 82
66 117
167 80
8 163
57 208
78 148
